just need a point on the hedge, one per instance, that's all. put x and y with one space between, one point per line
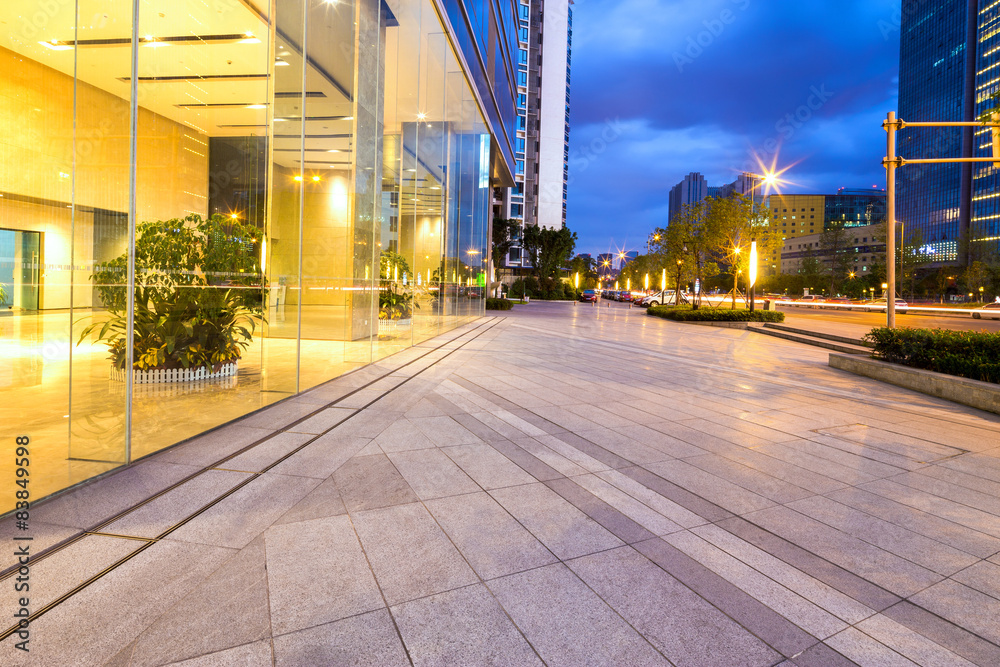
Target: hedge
968 354
687 314
499 304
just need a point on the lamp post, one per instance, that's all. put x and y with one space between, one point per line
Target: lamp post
736 273
769 179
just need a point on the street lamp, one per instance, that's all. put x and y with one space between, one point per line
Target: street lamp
736 273
647 283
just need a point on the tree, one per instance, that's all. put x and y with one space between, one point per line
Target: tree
683 245
585 267
504 230
976 277
548 250
911 258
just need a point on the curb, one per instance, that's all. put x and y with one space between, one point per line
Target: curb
974 393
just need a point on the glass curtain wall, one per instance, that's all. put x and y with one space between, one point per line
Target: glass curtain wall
209 207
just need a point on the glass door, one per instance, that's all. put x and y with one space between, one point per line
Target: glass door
20 269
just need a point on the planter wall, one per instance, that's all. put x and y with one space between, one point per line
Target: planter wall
165 375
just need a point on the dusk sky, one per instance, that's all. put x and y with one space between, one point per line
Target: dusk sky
661 88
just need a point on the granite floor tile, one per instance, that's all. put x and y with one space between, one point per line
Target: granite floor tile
266 453
431 474
241 516
370 482
445 431
786 602
669 445
931 554
843 465
462 627
646 517
759 482
176 505
864 650
560 526
623 446
323 421
577 456
322 502
910 644
106 616
410 555
226 610
617 523
949 490
567 623
959 513
711 487
887 570
964 606
317 573
322 457
519 429
591 449
402 435
945 634
367 640
278 416
820 655
487 467
556 461
525 460
257 654
489 538
683 626
208 448
652 499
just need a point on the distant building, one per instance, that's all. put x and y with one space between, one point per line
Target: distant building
691 190
628 257
865 244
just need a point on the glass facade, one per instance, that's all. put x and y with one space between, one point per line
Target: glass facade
936 66
984 230
206 208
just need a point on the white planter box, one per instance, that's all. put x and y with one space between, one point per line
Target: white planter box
164 375
391 326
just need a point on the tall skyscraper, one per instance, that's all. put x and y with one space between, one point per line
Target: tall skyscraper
691 190
542 141
939 74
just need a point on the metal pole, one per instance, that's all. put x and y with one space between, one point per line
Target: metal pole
752 236
890 223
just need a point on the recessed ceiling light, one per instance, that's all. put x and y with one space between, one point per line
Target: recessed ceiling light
278 62
333 150
348 118
256 106
54 45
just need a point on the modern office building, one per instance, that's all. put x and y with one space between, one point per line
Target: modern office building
865 244
272 193
542 140
804 214
691 190
947 70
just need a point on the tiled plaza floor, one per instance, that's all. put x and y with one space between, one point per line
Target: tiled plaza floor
564 484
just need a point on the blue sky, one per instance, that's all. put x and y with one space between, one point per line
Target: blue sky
661 88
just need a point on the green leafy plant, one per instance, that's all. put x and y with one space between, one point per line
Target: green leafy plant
499 304
969 354
197 294
687 314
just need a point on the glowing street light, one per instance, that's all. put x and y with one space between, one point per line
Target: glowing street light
663 280
647 282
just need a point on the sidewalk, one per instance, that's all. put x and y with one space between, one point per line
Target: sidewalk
561 485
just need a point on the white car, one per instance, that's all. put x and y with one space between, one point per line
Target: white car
990 311
666 297
883 303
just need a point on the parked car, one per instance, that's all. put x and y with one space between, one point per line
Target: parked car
588 295
990 311
666 297
883 303
810 298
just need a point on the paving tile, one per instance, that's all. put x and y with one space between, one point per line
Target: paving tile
323 501
365 640
846 466
257 654
105 617
402 435
317 573
814 590
278 416
226 610
550 457
778 632
91 504
560 526
964 606
669 445
445 431
944 633
959 513
322 457
559 444
209 447
711 487
785 601
266 453
678 494
241 516
616 522
968 540
864 650
820 655
910 644
567 623
370 426
631 451
487 467
431 474
684 627
526 461
648 518
950 490
171 508
821 569
409 554
323 421
58 573
747 477
370 482
592 449
462 627
489 538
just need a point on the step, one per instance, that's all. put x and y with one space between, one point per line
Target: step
818 334
815 341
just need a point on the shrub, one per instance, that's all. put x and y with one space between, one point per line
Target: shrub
969 354
686 314
499 304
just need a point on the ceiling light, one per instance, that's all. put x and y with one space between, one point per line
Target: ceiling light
316 178
54 45
333 150
256 106
347 118
280 120
298 178
278 62
250 39
421 116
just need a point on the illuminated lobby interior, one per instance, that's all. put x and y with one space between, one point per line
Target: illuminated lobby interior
372 142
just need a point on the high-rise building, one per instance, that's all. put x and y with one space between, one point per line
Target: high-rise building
945 70
320 171
627 257
691 190
543 104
